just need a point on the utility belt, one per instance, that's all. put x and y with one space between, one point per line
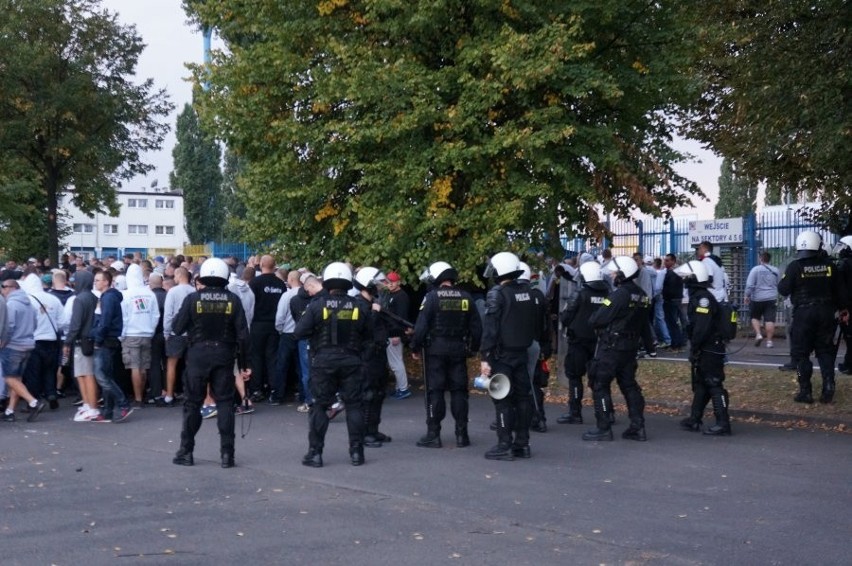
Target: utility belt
815 303
213 344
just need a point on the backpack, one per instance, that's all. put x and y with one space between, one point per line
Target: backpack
727 321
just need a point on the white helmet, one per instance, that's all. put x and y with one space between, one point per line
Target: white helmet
808 244
504 265
214 272
844 244
695 269
337 275
624 264
367 278
591 271
439 272
525 272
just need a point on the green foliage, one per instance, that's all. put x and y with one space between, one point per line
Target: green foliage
776 95
232 204
737 195
388 132
196 172
70 115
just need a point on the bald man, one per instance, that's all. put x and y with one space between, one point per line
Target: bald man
268 289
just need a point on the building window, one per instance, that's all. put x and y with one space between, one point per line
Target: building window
164 203
84 228
164 230
137 203
110 228
137 229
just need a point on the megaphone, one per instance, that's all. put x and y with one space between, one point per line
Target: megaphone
498 385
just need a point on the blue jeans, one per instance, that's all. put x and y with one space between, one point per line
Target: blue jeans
660 321
305 372
671 310
112 393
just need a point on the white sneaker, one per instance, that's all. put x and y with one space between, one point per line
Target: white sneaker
757 340
769 344
80 417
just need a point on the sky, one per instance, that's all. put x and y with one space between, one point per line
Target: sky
172 42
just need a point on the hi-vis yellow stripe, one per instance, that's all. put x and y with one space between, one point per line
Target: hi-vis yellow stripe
341 315
702 310
465 305
607 302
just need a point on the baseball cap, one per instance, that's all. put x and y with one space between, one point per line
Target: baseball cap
394 277
159 259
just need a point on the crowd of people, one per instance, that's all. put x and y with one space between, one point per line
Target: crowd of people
222 335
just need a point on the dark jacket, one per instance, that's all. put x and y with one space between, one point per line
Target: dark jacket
109 323
83 310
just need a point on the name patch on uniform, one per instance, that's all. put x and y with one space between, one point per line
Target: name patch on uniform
816 271
454 304
211 307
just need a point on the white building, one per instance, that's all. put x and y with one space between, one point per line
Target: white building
150 221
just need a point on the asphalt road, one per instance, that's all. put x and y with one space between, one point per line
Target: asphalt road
85 493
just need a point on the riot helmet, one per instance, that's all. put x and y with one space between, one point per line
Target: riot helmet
214 272
504 266
337 275
808 244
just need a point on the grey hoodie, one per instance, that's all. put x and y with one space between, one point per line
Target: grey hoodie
19 331
49 309
83 309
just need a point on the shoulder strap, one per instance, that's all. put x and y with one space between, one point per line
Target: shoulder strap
44 310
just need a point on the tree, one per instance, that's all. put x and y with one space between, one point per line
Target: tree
67 107
737 195
196 172
406 132
776 96
232 204
23 222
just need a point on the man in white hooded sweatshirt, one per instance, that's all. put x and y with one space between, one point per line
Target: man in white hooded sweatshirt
141 314
40 372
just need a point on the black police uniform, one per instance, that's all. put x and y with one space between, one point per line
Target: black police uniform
375 374
218 333
337 328
844 266
582 341
513 319
814 287
619 322
447 330
707 359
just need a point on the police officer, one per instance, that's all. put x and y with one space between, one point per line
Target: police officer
513 319
337 328
843 249
447 330
582 339
374 356
707 351
619 324
216 325
814 287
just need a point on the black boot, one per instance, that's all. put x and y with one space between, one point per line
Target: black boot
356 455
603 413
500 451
462 439
570 417
183 457
691 424
228 460
521 451
538 425
827 395
804 395
720 410
312 459
635 432
431 440
372 441
382 437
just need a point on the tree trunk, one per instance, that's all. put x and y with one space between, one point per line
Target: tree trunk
50 189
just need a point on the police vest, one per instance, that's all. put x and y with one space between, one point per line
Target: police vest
814 282
630 325
519 324
451 318
340 325
212 315
590 301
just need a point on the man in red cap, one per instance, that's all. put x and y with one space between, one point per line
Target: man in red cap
395 300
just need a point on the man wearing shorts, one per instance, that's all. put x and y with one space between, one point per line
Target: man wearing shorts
82 318
16 344
761 294
175 345
140 315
